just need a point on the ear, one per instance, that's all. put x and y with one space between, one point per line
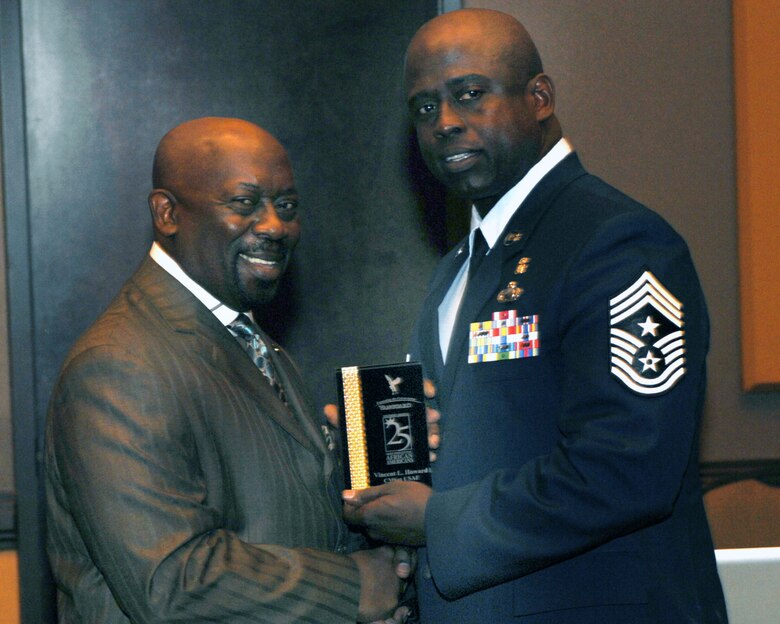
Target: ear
543 92
162 205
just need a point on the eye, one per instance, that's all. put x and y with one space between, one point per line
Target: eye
287 209
470 94
243 205
420 109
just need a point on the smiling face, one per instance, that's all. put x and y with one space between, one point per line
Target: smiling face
227 209
478 101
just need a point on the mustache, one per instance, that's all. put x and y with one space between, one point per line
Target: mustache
267 244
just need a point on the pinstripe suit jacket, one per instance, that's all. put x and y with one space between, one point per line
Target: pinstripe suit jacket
179 487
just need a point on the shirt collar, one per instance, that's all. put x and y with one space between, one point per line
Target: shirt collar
497 218
223 313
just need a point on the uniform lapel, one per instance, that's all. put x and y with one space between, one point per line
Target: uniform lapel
430 346
479 290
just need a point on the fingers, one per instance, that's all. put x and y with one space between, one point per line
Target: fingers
332 414
432 418
361 497
405 561
393 512
401 563
379 586
353 514
399 617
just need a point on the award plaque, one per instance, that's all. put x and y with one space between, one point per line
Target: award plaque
382 417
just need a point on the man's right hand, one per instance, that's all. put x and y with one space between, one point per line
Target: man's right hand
380 586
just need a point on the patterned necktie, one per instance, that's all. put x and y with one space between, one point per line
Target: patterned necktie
249 338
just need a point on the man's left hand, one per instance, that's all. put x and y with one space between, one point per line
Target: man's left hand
393 512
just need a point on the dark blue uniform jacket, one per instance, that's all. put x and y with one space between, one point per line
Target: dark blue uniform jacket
566 487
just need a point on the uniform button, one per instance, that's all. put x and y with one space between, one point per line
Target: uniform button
426 573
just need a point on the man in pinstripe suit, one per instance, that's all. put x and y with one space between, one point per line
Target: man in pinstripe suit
181 486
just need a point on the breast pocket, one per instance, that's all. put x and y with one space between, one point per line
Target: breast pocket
503 370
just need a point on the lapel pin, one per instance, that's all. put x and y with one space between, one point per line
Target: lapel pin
522 266
512 237
511 293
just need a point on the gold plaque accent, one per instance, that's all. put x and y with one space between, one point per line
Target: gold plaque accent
511 293
522 266
355 428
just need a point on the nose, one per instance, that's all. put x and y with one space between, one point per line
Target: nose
269 224
448 122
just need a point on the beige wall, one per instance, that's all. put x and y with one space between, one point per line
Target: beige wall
644 91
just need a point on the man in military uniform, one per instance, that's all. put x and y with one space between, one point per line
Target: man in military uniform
567 336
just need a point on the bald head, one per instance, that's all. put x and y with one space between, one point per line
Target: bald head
200 144
492 33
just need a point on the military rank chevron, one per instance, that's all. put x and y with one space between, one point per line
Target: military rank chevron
647 337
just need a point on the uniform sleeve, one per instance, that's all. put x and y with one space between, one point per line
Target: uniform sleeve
126 493
625 438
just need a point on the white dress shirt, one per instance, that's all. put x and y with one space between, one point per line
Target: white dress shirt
224 314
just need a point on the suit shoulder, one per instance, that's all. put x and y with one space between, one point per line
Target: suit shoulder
124 327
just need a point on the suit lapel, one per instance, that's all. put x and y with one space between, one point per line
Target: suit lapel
210 343
298 402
